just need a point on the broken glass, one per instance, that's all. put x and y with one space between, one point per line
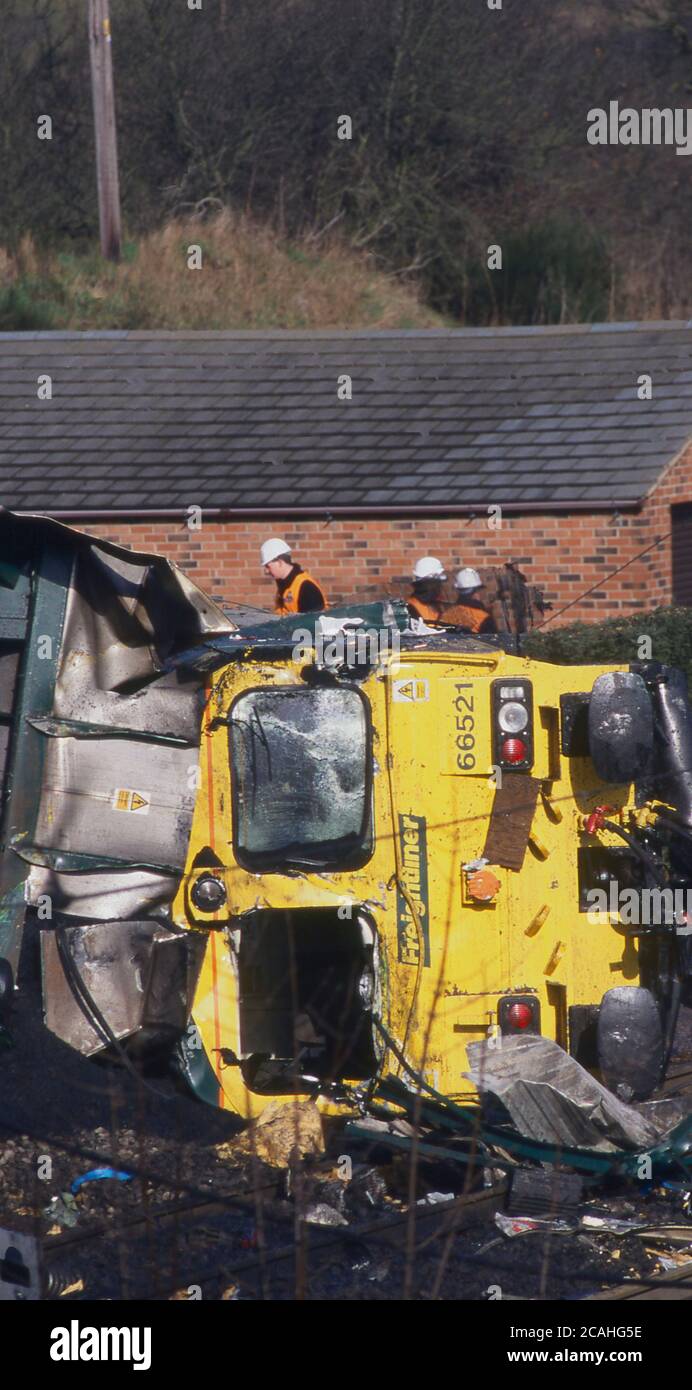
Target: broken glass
301 763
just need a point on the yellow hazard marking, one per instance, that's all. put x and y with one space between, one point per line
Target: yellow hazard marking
124 799
409 692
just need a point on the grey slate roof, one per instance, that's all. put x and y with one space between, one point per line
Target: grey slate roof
159 420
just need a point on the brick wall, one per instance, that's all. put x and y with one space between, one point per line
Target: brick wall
563 554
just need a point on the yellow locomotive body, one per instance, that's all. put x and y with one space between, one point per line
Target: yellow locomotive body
383 865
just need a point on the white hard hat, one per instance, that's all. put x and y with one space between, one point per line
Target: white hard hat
273 550
468 579
428 568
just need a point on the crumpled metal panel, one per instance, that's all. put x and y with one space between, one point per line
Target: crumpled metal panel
552 1098
136 973
104 821
101 897
118 798
105 653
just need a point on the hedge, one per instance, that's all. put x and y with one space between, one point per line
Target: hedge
618 640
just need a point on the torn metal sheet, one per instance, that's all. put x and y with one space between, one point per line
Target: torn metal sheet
137 973
101 753
503 1146
550 1097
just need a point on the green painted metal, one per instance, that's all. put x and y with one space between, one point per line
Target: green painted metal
44 616
469 1158
197 1071
277 637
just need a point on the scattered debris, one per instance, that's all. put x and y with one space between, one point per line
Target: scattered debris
544 1192
610 1224
62 1210
96 1175
520 1225
673 1259
285 1130
322 1215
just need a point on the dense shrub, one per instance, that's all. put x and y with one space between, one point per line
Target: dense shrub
618 640
551 273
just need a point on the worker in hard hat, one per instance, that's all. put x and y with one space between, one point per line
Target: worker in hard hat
468 611
296 590
426 599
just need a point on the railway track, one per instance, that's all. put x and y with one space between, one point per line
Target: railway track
674 1285
390 1232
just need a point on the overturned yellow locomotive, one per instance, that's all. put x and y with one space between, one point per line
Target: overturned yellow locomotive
303 857
407 851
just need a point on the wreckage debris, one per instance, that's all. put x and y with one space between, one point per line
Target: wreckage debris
97 1175
544 1192
551 1097
284 1132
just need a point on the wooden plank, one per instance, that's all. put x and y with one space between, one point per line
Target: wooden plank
511 819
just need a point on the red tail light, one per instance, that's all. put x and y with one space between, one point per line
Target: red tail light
520 1016
513 750
519 1013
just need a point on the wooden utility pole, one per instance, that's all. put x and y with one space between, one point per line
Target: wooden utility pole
104 127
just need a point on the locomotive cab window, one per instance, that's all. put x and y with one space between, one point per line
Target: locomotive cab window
301 763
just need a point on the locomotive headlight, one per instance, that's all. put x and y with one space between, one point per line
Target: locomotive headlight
512 724
513 717
208 893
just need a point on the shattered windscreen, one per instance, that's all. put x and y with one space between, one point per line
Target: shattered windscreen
301 764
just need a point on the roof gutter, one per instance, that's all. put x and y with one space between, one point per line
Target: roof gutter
335 513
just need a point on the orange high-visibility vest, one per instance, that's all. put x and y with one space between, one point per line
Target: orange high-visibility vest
429 612
288 601
461 616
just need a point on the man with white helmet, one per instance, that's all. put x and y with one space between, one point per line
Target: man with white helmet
296 590
426 600
468 611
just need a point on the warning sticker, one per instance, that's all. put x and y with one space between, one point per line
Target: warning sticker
410 692
124 799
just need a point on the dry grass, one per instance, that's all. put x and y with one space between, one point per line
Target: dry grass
252 278
249 278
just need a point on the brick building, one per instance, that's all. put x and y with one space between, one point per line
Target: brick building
366 450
